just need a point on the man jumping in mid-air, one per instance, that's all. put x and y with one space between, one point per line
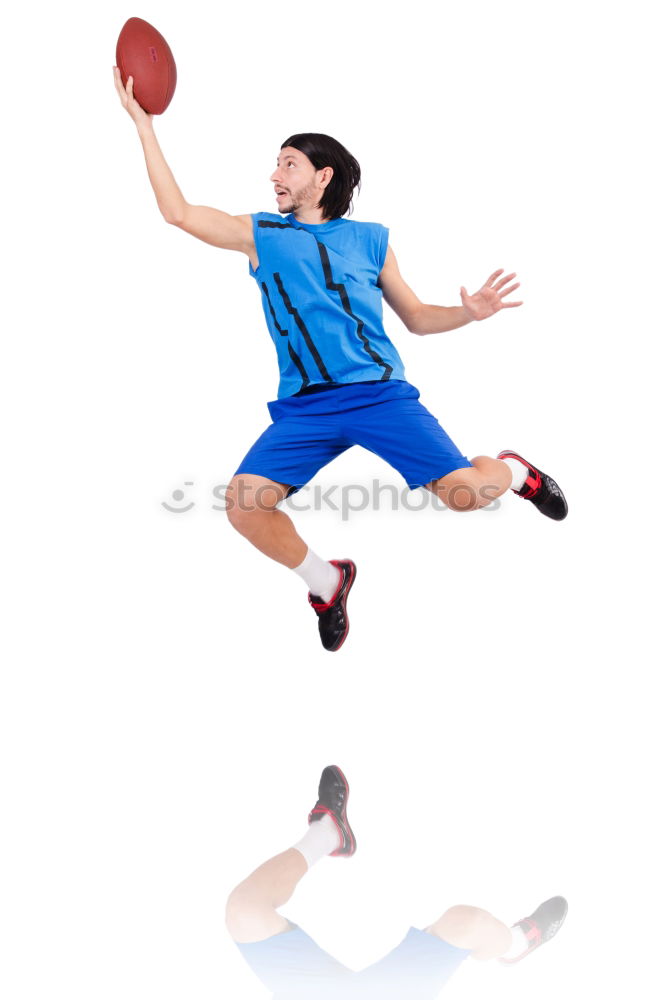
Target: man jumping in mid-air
291 964
322 278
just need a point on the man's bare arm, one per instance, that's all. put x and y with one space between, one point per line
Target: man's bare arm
230 232
421 319
416 316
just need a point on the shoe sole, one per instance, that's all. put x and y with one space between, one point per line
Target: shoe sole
343 816
352 578
340 852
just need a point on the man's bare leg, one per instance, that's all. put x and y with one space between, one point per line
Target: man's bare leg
489 478
471 489
251 509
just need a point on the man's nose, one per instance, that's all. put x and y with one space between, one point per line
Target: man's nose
275 176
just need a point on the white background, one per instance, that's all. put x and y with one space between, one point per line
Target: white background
166 705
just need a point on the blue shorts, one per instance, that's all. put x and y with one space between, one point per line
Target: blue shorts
294 967
385 417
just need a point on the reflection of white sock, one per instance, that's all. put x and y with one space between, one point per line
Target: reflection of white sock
322 578
520 943
322 838
519 471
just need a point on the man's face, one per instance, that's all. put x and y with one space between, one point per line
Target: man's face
296 182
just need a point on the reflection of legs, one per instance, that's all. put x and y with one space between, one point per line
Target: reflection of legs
251 912
486 937
281 955
421 965
473 929
252 907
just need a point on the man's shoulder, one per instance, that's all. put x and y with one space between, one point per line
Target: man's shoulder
372 238
364 224
367 232
270 218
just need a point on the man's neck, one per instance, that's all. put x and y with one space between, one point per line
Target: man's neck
310 216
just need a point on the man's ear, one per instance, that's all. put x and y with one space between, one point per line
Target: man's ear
326 173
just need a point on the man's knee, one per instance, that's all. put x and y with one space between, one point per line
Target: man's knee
463 926
250 917
460 495
241 518
241 910
243 500
463 496
464 492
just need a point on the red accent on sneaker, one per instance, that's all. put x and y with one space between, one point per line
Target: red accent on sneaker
532 933
320 810
533 480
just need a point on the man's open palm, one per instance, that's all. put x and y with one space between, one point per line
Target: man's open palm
489 299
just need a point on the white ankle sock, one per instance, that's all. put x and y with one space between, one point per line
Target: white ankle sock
321 839
519 471
519 945
322 578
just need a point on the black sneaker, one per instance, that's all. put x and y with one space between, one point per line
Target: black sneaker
541 926
332 801
540 489
333 621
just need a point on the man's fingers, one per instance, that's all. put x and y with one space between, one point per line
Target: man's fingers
507 291
511 305
504 281
118 82
125 93
493 277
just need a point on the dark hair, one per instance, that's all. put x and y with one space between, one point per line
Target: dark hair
325 151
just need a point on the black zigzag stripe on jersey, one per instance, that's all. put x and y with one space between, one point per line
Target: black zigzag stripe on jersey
293 354
266 224
344 298
302 326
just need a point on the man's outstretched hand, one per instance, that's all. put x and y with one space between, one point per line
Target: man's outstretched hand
139 115
489 299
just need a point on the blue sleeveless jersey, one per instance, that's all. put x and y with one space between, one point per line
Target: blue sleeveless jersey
322 303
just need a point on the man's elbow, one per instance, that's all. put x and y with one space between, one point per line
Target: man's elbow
414 321
174 216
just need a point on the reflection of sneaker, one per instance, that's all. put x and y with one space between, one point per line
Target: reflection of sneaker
333 621
332 801
541 926
540 489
